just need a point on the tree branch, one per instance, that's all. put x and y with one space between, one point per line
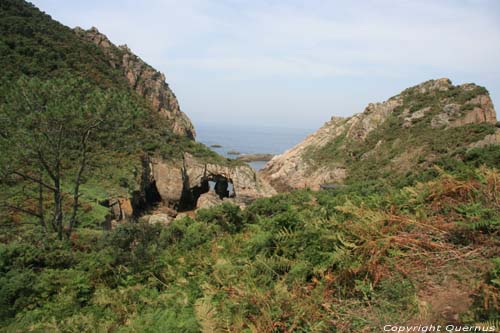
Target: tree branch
83 163
38 181
45 164
23 210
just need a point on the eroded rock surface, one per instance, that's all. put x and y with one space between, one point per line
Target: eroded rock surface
120 208
291 170
144 79
160 219
181 183
207 200
327 155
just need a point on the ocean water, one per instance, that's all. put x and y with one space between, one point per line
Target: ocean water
249 139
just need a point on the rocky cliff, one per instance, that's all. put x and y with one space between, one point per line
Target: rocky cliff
169 187
144 79
180 185
409 130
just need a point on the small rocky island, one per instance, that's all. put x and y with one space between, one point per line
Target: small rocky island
255 157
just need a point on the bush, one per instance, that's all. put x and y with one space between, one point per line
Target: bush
227 216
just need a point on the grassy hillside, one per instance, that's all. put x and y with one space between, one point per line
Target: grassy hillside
328 261
34 45
405 142
45 63
401 136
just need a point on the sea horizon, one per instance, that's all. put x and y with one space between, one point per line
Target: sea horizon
249 139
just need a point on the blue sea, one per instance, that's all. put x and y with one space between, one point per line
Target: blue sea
249 139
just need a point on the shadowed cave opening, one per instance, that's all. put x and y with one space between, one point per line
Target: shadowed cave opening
221 185
145 200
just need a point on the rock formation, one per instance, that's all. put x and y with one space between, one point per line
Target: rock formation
169 187
160 218
181 184
144 79
177 184
207 200
398 134
121 208
291 170
255 157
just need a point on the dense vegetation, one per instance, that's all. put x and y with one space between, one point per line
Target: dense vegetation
325 261
34 45
54 87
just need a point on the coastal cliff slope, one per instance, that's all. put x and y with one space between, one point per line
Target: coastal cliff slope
148 125
144 79
407 132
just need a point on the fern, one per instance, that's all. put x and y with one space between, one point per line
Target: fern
275 264
206 314
285 234
479 217
489 326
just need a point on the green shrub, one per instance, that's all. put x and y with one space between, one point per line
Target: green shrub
227 216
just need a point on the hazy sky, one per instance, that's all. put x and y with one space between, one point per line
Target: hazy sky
297 63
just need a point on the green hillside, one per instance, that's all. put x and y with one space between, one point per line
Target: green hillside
46 66
416 246
409 139
434 122
344 261
35 45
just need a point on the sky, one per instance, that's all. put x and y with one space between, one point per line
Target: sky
297 63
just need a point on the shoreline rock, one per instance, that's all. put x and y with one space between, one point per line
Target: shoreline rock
255 157
331 154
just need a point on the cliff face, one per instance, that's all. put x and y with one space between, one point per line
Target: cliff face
291 170
144 79
176 185
180 185
409 130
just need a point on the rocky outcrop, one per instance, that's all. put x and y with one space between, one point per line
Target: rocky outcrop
159 219
207 200
491 139
292 169
121 208
165 188
255 157
296 169
169 180
330 154
180 184
476 110
144 79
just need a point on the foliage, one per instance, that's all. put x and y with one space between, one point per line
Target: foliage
301 262
33 44
54 90
49 135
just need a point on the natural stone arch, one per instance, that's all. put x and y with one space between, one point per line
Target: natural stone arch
220 184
